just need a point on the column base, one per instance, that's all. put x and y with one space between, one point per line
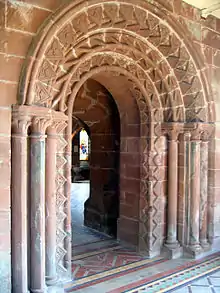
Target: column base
55 285
50 281
39 290
173 251
194 250
205 245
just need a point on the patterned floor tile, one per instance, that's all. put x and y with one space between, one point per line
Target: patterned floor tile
169 282
98 258
103 262
207 284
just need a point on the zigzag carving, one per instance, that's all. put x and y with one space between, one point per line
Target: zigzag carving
136 42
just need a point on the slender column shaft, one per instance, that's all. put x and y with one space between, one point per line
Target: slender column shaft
195 194
19 208
172 192
37 212
51 147
204 193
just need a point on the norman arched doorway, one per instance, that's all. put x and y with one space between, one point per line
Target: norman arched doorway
96 111
155 81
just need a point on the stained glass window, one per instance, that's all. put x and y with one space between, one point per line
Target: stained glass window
83 145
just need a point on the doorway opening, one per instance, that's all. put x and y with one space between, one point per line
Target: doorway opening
95 167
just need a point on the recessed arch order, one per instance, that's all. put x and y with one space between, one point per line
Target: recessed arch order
136 36
140 41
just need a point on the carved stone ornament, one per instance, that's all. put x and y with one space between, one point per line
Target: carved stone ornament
146 46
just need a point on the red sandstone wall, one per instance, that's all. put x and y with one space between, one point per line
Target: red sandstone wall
19 23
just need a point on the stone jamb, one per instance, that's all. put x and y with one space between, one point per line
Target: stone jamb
37 119
203 224
172 245
194 243
197 131
37 218
20 127
50 202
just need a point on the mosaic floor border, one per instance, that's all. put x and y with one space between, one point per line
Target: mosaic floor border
172 280
112 273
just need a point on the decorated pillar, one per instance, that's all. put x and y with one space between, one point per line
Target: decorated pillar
194 242
37 281
172 243
50 201
19 204
207 131
67 206
204 193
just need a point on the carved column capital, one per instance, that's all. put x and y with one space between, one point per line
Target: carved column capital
56 126
20 125
40 124
173 134
207 132
172 130
187 136
199 131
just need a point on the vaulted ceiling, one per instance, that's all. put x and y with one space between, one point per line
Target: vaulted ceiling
207 6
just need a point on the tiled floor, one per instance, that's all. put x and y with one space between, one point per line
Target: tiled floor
101 265
113 258
207 284
156 276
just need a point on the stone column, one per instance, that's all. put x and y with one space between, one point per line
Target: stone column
204 193
38 205
171 242
19 205
50 197
194 243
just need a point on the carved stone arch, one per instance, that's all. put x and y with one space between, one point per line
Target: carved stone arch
146 23
158 79
171 65
142 42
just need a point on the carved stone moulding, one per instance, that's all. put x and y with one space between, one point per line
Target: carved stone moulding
39 118
197 130
77 34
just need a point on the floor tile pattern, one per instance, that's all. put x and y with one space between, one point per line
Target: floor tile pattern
103 262
172 281
98 259
207 284
127 265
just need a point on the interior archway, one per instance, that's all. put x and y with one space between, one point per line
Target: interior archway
158 86
98 111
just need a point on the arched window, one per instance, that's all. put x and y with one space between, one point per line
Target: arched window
83 145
